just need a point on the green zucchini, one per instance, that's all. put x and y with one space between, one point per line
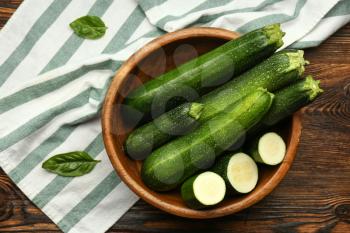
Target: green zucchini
211 69
289 99
277 71
171 164
239 171
268 149
281 69
153 134
204 190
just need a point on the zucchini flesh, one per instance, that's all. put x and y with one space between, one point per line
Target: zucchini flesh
203 73
141 141
171 164
239 171
268 149
203 190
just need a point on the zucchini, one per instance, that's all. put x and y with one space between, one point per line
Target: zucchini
153 134
268 149
281 69
239 171
203 190
289 99
277 71
171 164
211 69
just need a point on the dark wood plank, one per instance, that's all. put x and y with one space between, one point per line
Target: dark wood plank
335 50
7 8
314 196
5 14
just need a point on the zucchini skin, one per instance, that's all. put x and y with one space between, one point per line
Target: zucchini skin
252 150
141 141
206 71
220 168
188 196
171 164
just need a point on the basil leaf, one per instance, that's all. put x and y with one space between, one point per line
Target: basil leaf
89 27
75 163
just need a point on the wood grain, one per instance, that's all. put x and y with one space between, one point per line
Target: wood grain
314 197
7 8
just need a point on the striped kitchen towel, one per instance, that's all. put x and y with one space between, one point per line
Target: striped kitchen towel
52 85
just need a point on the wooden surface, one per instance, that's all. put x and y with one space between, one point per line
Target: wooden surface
157 57
314 197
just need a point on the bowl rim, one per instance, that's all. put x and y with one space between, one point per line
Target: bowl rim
138 189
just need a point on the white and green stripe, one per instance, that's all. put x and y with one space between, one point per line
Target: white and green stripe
47 86
339 15
235 8
20 26
90 201
46 19
41 49
52 86
73 42
119 199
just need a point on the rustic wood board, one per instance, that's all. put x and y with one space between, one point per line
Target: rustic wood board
314 196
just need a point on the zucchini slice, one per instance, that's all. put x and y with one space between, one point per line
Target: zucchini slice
268 149
203 190
239 171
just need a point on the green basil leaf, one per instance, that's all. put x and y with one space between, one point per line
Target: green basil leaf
89 27
75 163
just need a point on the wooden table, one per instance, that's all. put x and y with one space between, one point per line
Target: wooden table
314 196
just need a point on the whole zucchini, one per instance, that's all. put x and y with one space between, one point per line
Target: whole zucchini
281 69
153 134
171 164
211 69
277 71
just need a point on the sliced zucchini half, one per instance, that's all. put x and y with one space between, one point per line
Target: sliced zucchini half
270 149
203 190
242 173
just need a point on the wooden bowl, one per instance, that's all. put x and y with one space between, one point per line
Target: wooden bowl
157 57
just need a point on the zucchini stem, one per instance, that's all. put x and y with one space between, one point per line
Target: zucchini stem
297 61
313 86
275 34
